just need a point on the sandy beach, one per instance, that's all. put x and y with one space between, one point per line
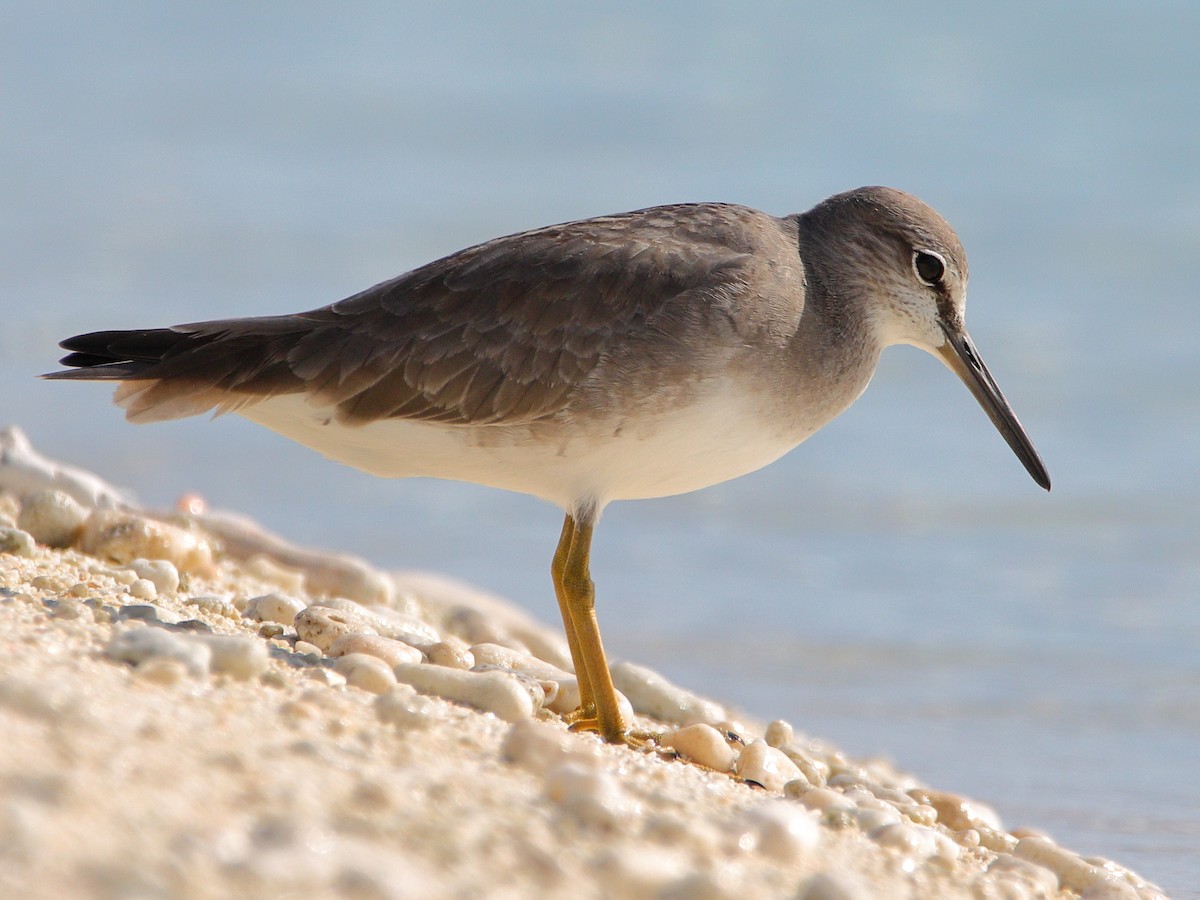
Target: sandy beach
190 707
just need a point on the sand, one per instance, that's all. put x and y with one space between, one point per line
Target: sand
179 719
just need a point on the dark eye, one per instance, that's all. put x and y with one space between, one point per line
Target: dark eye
929 267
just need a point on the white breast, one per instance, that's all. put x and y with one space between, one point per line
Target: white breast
721 435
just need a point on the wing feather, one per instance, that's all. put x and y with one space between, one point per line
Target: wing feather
503 332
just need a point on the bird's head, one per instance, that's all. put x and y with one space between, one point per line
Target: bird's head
902 263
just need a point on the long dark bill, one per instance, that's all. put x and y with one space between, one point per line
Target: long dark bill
960 355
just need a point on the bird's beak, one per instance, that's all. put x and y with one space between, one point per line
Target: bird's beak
960 355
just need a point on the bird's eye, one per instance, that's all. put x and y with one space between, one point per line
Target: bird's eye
929 266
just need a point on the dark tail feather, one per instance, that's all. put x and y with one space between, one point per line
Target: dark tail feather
169 373
116 355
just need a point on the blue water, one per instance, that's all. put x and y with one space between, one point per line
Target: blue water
897 585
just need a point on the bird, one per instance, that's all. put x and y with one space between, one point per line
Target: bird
628 356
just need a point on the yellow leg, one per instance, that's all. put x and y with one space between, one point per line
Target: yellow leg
557 568
576 599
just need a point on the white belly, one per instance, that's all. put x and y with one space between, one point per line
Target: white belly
720 437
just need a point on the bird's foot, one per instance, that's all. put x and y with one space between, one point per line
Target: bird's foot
615 733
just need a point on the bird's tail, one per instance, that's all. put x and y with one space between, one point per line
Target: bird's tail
170 373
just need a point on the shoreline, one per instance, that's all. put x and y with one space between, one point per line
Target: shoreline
193 707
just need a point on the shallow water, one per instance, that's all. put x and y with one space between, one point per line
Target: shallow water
897 585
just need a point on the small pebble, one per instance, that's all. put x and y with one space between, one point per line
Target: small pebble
124 537
968 838
275 607
238 656
143 589
815 772
591 796
873 818
379 620
123 576
453 654
779 734
539 692
370 673
405 708
996 841
766 766
322 626
53 518
915 842
138 644
702 744
1074 873
304 648
147 612
955 812
491 691
161 572
1006 867
923 815
905 838
780 830
54 584
214 605
391 651
654 696
16 542
563 699
822 799
327 677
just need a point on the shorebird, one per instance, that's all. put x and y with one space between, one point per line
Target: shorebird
623 357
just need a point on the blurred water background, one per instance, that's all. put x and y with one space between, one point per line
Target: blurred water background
898 584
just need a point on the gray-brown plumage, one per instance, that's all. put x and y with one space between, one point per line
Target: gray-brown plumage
634 355
498 333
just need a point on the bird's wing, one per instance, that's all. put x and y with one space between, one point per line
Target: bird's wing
500 333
